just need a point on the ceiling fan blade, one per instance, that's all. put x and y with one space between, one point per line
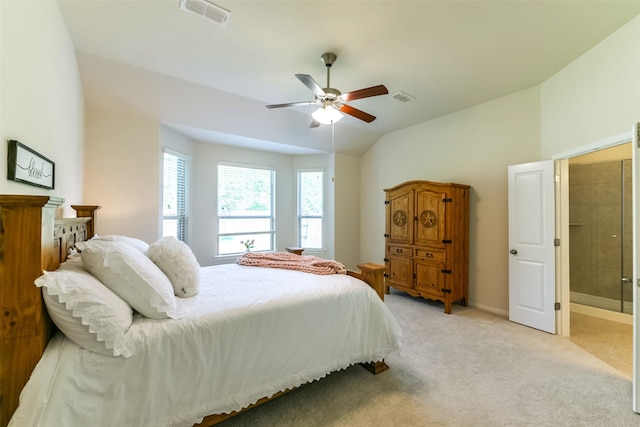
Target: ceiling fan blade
358 114
308 81
365 93
292 104
314 123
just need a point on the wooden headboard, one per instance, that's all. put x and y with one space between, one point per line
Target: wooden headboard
31 240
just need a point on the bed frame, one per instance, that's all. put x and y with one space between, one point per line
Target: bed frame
33 240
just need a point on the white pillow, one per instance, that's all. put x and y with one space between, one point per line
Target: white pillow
140 245
86 311
132 275
178 262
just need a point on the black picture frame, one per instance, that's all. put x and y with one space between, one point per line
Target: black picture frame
29 167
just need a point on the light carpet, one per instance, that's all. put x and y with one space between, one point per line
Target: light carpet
468 368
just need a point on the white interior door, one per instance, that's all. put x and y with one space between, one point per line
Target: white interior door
531 245
635 156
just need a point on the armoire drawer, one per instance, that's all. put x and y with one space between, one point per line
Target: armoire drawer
431 254
400 250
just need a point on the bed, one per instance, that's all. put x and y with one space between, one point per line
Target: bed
249 334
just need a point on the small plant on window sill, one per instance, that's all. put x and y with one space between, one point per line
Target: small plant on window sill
248 244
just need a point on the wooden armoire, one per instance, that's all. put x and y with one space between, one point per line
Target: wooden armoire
427 240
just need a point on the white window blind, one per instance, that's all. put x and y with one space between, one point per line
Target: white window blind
175 195
246 208
310 208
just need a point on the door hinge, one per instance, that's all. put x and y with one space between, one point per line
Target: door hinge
446 271
638 134
556 306
446 241
386 235
386 202
385 275
386 260
447 200
446 291
556 242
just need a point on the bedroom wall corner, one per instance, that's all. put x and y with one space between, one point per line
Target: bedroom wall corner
41 102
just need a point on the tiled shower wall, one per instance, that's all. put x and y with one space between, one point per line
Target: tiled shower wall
596 216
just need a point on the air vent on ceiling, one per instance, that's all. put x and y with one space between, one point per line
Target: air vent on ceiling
207 10
404 97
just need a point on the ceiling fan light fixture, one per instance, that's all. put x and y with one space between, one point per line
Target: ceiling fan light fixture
326 115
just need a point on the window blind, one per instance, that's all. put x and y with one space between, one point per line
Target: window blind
175 195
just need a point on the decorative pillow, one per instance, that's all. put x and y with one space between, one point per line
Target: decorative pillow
178 262
140 245
132 275
73 262
86 311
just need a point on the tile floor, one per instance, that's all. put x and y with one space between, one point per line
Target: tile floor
610 341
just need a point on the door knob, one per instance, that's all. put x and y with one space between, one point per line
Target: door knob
513 252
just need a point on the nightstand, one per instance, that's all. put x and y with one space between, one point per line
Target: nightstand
295 250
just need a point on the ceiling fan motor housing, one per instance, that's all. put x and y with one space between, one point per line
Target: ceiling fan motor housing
329 58
331 93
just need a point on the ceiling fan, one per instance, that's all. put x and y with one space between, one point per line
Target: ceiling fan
332 102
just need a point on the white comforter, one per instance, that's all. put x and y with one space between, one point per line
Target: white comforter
249 333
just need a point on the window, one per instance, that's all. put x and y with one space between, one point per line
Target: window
246 208
310 208
175 195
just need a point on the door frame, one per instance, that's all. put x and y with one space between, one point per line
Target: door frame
562 223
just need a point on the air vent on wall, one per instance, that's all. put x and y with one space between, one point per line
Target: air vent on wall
404 97
207 10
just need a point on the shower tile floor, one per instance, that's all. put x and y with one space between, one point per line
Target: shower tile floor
610 341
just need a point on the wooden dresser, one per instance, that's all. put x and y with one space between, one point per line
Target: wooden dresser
427 240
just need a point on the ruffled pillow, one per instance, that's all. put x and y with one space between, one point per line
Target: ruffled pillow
140 245
86 311
178 262
132 275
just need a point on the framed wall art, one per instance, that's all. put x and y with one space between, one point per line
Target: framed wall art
29 167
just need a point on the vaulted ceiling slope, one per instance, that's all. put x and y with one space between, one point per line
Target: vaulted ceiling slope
213 81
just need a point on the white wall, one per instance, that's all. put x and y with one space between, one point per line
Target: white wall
474 147
595 97
41 102
122 173
347 213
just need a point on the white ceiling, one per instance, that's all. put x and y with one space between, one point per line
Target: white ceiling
212 82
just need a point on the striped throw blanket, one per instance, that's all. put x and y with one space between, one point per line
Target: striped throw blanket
289 261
